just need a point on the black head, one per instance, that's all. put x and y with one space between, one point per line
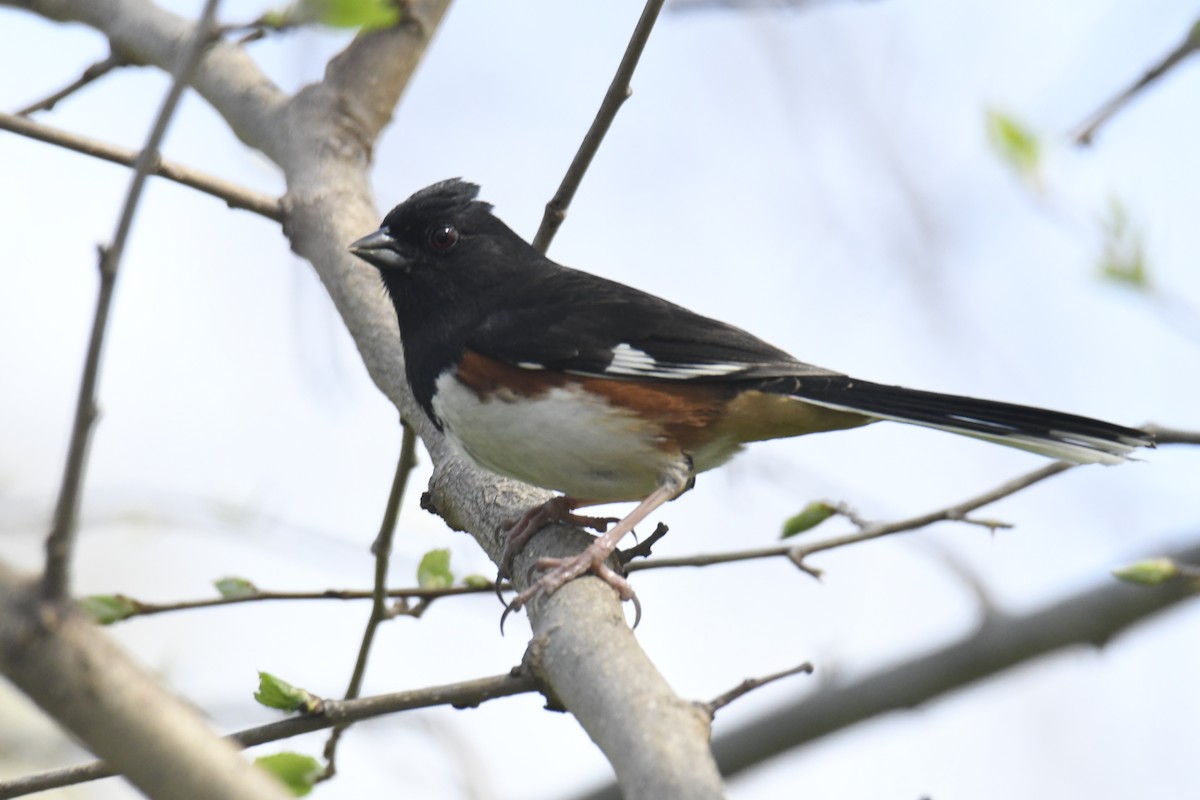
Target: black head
447 263
440 229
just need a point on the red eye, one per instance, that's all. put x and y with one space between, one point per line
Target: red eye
443 237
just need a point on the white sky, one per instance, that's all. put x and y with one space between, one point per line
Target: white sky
822 179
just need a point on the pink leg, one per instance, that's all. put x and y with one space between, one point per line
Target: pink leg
556 509
592 559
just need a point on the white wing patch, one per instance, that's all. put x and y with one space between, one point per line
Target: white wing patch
628 360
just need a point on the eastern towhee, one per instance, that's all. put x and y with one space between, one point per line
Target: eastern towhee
578 384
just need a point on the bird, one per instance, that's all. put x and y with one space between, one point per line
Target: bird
604 393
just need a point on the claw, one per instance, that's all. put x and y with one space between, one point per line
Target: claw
556 509
500 594
563 570
592 558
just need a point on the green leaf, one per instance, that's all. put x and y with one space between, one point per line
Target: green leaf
232 587
365 14
434 570
477 582
275 692
809 517
1151 572
298 772
1015 143
105 609
277 19
1124 258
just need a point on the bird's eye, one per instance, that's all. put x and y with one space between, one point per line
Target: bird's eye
443 237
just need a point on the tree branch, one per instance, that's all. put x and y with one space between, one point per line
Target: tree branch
618 92
1189 45
1093 617
1165 435
143 33
70 668
797 553
233 195
749 685
91 74
137 608
464 694
60 542
586 655
382 548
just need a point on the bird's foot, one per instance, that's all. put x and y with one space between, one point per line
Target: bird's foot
556 509
593 557
563 570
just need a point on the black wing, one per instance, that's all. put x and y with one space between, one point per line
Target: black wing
563 319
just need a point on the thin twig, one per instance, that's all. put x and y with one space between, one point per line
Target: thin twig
643 549
1165 435
749 685
382 549
618 92
62 533
141 609
866 530
1189 45
92 73
233 195
466 694
955 513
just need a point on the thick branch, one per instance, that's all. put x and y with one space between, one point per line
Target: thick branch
71 669
586 654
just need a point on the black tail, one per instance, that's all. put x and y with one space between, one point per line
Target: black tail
1050 433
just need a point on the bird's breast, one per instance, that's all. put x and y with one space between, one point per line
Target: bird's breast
590 438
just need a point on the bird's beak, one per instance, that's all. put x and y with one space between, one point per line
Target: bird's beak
379 250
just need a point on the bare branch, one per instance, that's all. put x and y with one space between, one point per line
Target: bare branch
144 33
1165 435
1093 617
137 608
618 92
382 548
61 539
866 530
643 549
749 685
797 553
1189 45
465 694
92 73
954 513
233 195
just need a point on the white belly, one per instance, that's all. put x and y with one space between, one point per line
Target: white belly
565 440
